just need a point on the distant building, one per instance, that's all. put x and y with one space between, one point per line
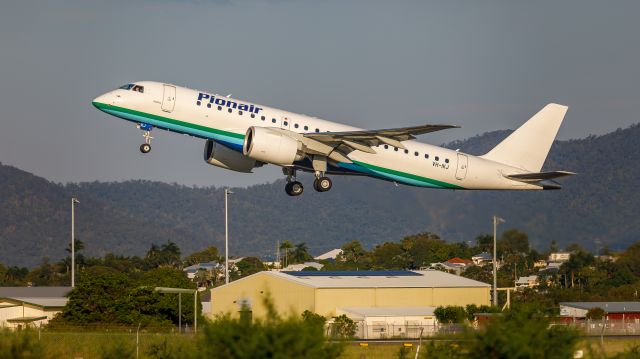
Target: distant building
22 307
332 254
540 264
208 266
482 259
527 282
300 266
559 257
614 310
355 293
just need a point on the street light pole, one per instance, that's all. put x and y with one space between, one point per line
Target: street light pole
496 220
73 241
227 192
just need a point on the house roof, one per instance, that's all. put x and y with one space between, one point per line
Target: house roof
483 255
40 296
525 280
362 312
457 260
34 292
373 279
610 307
332 254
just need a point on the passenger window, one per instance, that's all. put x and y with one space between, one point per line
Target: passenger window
306 128
426 155
219 108
406 151
285 123
386 147
437 158
209 105
240 113
253 115
262 118
395 149
273 120
446 161
296 125
317 130
230 110
416 153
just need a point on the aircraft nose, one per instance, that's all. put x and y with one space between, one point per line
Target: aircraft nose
103 100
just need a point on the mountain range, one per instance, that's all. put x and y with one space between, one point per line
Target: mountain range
598 207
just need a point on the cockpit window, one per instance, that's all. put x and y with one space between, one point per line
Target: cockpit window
133 87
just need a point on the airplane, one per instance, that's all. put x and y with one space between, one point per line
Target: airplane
241 136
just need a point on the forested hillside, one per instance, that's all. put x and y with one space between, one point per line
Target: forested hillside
601 203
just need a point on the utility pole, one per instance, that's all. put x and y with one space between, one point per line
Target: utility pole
227 192
496 220
73 241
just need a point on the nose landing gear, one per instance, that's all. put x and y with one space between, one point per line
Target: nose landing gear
146 146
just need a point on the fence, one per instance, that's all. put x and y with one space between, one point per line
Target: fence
608 327
403 331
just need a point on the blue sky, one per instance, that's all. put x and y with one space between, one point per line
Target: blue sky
373 64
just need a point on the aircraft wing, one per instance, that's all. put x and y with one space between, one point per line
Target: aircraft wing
364 140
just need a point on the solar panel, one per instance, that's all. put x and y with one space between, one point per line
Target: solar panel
362 273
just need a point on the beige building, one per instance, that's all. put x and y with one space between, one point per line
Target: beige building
30 306
327 293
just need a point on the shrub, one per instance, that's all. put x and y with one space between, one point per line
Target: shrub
21 345
596 313
343 327
450 314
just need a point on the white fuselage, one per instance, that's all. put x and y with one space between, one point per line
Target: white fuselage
226 120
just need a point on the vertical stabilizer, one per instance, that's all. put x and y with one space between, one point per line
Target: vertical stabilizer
528 146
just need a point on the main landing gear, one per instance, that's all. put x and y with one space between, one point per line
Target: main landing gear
146 146
295 188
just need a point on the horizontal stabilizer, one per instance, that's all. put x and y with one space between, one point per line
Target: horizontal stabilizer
539 176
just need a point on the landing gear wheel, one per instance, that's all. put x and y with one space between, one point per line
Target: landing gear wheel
322 184
294 188
145 148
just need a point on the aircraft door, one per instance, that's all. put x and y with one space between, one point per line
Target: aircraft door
169 98
463 163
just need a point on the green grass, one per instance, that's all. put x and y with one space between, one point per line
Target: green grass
90 345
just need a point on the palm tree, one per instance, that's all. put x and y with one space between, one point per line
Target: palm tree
300 253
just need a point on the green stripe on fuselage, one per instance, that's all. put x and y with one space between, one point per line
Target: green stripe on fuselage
409 176
194 126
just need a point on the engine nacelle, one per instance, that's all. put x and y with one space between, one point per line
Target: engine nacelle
272 146
222 156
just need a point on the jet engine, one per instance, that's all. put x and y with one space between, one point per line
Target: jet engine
272 146
222 156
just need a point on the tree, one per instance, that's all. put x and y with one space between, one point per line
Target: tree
352 252
343 327
513 241
522 332
248 266
300 253
485 242
275 337
596 313
209 254
450 314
